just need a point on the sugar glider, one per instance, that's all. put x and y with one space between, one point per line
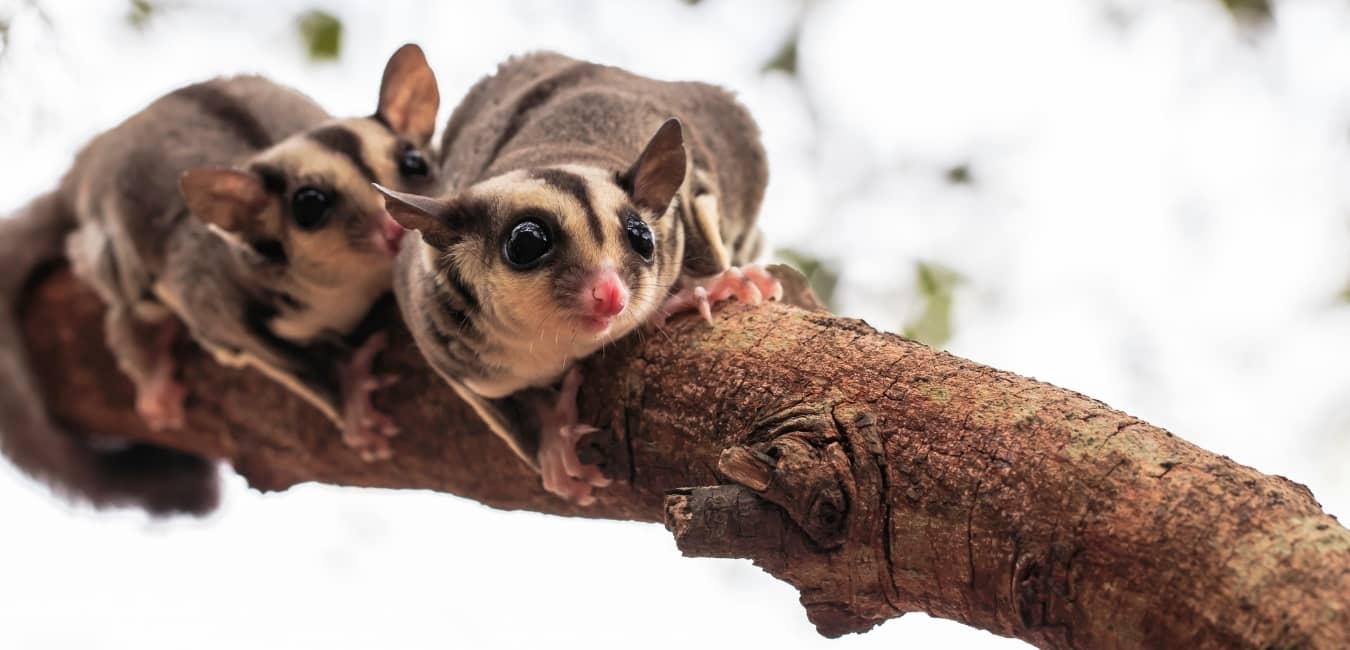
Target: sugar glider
582 202
239 210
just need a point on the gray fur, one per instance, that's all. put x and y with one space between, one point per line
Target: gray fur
131 230
240 208
543 111
136 233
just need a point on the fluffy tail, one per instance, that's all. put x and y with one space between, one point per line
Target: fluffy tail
160 480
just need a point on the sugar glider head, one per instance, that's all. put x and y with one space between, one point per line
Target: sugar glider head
574 252
305 207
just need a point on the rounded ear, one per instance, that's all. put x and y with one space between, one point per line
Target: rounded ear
409 97
659 172
421 213
229 199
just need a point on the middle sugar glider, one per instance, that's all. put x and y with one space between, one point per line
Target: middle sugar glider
582 202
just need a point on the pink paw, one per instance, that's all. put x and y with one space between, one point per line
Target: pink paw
364 428
563 472
160 399
750 285
160 402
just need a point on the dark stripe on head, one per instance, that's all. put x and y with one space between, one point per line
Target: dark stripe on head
455 317
574 186
274 180
284 300
228 111
270 250
452 344
452 305
379 119
340 140
465 293
466 217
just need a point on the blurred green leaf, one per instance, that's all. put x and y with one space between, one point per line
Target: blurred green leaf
1345 294
935 285
820 273
959 175
322 33
1250 11
785 59
140 13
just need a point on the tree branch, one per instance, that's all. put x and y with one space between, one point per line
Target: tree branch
876 475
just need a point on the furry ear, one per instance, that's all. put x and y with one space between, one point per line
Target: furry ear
229 199
409 97
654 179
421 213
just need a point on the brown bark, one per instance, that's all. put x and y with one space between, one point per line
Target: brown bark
876 475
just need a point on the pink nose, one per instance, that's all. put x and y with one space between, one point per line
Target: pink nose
608 295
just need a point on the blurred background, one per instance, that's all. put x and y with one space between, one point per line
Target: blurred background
1144 201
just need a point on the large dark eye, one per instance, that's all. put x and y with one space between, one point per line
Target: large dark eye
310 206
528 244
639 236
412 163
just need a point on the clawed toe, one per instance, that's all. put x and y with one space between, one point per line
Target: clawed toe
365 428
751 285
561 469
764 281
370 435
557 479
373 384
375 454
573 433
760 285
161 405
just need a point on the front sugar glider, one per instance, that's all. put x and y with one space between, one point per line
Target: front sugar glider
582 202
243 210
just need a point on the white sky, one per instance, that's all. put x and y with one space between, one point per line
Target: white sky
1160 219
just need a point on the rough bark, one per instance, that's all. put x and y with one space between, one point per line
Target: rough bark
876 475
